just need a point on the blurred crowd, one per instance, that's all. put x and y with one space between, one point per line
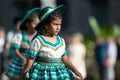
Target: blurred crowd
105 61
5 43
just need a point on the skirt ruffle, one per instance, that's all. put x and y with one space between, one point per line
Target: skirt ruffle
14 69
49 72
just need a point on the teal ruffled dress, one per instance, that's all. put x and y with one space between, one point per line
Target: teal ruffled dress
48 64
22 43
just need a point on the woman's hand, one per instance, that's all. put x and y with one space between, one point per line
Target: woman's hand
24 61
80 77
26 68
21 77
67 62
107 62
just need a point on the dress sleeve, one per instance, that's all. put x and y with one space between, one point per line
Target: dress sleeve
16 42
65 53
10 36
34 48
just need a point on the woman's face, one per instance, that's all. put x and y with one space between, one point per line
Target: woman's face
54 27
32 25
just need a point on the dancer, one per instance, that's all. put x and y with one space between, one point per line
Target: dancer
48 50
21 42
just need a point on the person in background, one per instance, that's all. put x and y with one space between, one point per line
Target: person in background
77 53
117 65
111 58
100 56
11 33
48 50
9 37
2 46
21 43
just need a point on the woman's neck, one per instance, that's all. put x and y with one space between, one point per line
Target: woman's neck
48 35
50 38
30 33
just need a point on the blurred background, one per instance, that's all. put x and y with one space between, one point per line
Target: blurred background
76 14
90 18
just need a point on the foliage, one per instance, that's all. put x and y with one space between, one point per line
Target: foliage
104 30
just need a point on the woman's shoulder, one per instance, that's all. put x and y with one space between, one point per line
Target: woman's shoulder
37 38
18 35
60 37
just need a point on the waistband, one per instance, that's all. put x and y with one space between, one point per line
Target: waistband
23 50
48 60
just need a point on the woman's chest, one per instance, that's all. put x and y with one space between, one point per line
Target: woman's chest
50 51
25 44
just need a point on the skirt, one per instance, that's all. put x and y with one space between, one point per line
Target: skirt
14 69
49 71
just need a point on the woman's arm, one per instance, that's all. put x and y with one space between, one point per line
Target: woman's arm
19 55
67 62
26 68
